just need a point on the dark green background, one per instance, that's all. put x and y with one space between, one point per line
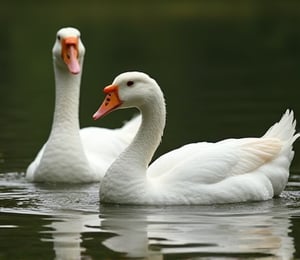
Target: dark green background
227 68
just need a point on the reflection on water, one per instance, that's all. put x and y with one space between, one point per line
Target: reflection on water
253 230
66 234
74 226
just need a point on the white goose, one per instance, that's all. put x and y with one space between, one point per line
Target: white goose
233 170
71 155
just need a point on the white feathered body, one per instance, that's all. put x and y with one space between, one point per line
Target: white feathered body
82 158
232 170
71 155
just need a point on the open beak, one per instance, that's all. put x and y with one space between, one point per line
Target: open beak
110 103
69 54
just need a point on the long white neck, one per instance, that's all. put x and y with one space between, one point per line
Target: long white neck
64 158
66 116
139 153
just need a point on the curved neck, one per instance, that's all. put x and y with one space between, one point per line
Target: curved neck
66 112
139 153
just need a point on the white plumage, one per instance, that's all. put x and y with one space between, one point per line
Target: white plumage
72 155
232 170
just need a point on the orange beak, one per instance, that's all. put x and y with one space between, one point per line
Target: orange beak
69 54
110 103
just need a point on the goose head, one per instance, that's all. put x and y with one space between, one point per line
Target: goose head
68 50
129 89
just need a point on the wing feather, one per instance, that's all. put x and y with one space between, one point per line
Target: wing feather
209 163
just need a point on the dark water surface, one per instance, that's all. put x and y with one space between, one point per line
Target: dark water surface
66 222
227 69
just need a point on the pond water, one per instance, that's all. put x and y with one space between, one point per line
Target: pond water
67 222
227 70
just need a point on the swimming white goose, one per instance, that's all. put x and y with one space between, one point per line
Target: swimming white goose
70 155
233 170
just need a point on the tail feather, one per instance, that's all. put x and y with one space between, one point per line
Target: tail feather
285 129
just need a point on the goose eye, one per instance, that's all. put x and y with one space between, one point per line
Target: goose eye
58 37
129 83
